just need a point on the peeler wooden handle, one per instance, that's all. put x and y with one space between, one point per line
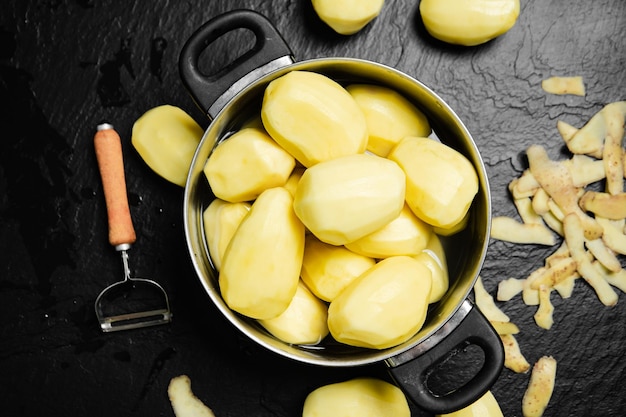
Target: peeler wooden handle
108 147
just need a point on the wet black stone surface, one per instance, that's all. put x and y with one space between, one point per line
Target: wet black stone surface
67 65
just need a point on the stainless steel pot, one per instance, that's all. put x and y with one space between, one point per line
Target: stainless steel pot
233 97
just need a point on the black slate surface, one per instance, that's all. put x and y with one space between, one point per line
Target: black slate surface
67 65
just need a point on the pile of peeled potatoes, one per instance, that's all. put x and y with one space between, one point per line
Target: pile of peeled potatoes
327 221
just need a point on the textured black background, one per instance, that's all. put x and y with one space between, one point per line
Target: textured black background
66 65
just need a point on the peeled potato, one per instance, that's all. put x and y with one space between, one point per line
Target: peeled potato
346 198
468 22
449 231
347 17
384 307
166 138
404 235
390 117
261 266
313 117
434 258
246 164
221 219
294 180
485 406
304 321
328 269
440 182
359 397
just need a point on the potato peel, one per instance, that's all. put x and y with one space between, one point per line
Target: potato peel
501 227
555 190
183 400
505 327
614 237
527 213
590 138
486 304
603 254
513 357
565 288
566 130
557 182
540 387
585 170
611 206
564 85
574 237
614 116
543 316
509 288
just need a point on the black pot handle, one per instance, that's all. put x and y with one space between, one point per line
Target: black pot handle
410 369
207 90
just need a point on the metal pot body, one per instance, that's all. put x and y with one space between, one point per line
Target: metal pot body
233 98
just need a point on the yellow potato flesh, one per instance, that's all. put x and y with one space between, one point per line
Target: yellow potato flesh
328 269
468 22
294 179
434 258
384 307
440 182
166 138
485 406
347 17
390 117
404 235
449 231
261 267
221 219
346 198
359 397
313 117
304 321
246 164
